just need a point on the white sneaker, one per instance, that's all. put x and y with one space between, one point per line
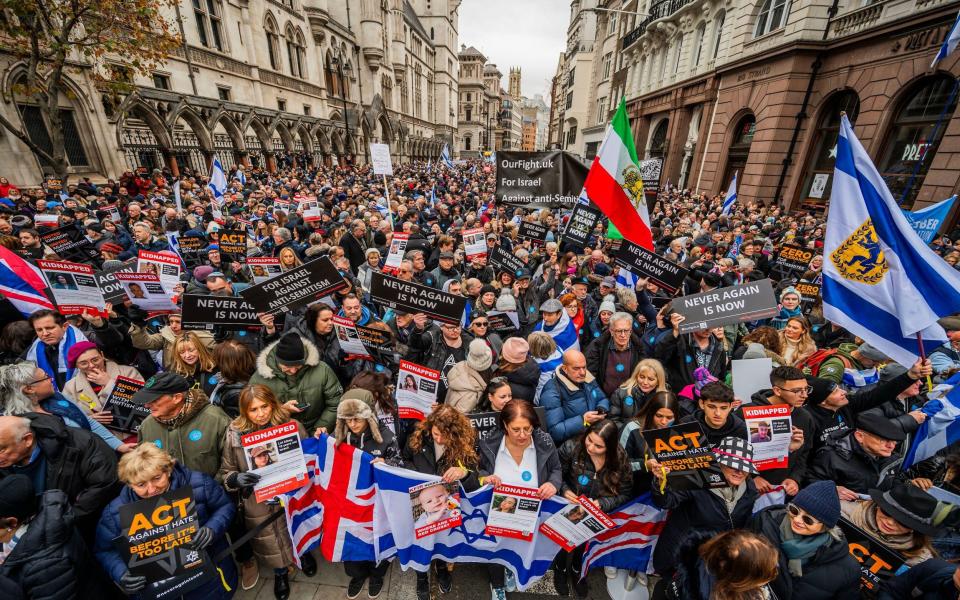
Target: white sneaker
498 594
610 572
510 582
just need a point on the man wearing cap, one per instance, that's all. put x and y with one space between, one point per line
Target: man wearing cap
183 422
581 289
557 323
445 270
946 358
528 299
853 367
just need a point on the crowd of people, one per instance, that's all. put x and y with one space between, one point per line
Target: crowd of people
589 365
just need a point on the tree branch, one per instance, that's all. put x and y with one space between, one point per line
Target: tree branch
23 137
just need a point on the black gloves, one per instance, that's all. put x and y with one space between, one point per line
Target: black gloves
242 480
131 584
203 538
137 315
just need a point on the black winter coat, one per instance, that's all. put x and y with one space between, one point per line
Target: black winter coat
386 448
624 407
425 461
678 356
696 510
598 355
734 427
51 562
581 478
930 580
830 574
844 461
523 381
549 469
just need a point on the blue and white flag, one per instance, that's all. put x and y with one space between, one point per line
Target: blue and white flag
626 279
880 281
927 221
433 196
218 180
949 44
630 544
735 247
939 430
563 332
467 543
241 176
731 198
492 159
429 164
445 157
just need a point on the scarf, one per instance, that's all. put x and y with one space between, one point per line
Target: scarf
798 548
37 355
563 332
191 406
730 495
864 516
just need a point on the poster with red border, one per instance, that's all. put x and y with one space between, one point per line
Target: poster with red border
276 456
513 512
475 244
576 524
416 390
74 287
769 430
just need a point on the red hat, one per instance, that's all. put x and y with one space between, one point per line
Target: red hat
76 350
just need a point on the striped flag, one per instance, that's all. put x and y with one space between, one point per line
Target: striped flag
218 180
22 284
949 44
630 544
731 197
445 157
939 430
614 184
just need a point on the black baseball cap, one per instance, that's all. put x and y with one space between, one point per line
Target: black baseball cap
160 384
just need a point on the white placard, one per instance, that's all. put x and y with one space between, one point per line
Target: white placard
398 247
146 291
74 287
164 264
348 337
513 512
416 390
750 375
475 243
276 456
380 159
819 185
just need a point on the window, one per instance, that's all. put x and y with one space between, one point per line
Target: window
773 16
332 76
37 130
659 143
591 150
570 78
698 37
296 52
569 99
739 151
819 166
469 112
663 63
612 24
601 113
572 135
676 63
607 59
161 82
718 33
417 92
223 93
912 142
404 96
209 23
281 104
306 110
469 98
273 42
467 141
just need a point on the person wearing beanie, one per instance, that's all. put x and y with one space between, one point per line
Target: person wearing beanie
518 368
467 380
834 410
488 298
94 380
505 301
815 560
481 329
789 307
291 367
43 552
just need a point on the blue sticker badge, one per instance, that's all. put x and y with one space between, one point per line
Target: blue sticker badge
596 334
688 358
593 393
653 339
62 402
583 480
241 333
195 435
526 475
378 368
628 400
518 272
158 443
533 309
212 380
619 368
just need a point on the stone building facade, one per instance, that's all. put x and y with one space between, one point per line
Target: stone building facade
264 82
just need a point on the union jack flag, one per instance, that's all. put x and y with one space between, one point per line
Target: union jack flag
22 284
334 511
630 544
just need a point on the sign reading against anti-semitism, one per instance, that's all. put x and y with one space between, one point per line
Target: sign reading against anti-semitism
71 245
535 232
225 312
794 258
112 289
295 288
412 297
736 304
643 263
684 449
539 179
501 260
127 416
878 563
582 222
157 537
233 245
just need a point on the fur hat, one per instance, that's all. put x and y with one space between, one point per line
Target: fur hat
479 356
354 408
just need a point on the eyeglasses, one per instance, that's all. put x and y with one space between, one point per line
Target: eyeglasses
479 324
803 391
620 331
797 512
41 380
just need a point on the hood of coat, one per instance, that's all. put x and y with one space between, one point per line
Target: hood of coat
569 384
49 431
267 366
51 528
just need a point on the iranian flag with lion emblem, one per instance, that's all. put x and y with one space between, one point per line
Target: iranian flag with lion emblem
614 184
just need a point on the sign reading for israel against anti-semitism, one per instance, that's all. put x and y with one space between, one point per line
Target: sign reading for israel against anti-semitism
226 312
736 304
643 263
503 261
539 179
157 536
582 222
412 297
684 450
70 244
295 288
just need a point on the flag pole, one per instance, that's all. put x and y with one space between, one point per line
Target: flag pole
923 358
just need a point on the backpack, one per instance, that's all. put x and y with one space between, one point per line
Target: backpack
811 364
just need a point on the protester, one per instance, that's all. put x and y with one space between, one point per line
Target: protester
612 356
629 399
572 399
195 362
796 344
164 339
94 378
660 411
519 368
467 380
236 364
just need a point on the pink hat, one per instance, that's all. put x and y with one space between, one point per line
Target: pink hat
515 350
76 350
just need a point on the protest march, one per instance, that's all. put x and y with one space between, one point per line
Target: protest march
552 372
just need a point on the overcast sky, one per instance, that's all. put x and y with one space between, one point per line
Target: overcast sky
525 33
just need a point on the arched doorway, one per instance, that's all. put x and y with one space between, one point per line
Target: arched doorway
227 143
914 135
189 144
739 151
253 138
815 191
659 142
143 138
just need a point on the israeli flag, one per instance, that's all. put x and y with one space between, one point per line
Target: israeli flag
880 281
927 221
445 157
393 526
492 159
939 430
433 196
242 177
626 279
731 198
949 44
218 180
429 164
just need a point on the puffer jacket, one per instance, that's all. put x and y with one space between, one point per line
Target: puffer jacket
315 385
830 574
51 562
565 403
523 381
272 544
624 406
214 509
163 340
196 441
581 478
465 386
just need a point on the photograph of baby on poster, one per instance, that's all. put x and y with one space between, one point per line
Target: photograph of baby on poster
435 506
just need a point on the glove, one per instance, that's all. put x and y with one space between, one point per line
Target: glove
242 480
203 538
131 584
137 315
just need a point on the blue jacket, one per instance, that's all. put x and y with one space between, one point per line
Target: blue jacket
565 404
215 510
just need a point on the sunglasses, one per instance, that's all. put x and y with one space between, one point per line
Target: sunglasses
797 512
478 324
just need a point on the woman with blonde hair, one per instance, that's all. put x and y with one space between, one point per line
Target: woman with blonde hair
628 400
260 409
289 259
193 360
796 342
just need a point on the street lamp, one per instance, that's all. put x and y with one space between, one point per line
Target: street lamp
338 60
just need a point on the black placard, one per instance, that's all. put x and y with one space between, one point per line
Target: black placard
502 260
878 563
191 250
580 225
501 324
127 416
535 232
412 297
233 245
684 449
71 245
793 259
736 304
643 263
295 288
224 312
809 294
111 288
539 179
